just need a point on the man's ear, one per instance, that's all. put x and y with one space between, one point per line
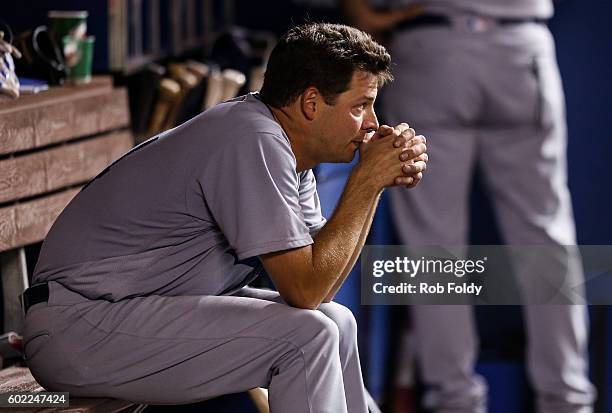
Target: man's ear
310 102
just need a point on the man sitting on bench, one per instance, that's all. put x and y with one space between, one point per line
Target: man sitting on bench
140 289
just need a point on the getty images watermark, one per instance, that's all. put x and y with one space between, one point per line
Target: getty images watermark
528 274
414 267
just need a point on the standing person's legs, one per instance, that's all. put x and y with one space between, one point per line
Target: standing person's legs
532 212
348 350
445 337
524 160
435 92
174 350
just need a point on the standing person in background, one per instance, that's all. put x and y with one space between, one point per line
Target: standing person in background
480 79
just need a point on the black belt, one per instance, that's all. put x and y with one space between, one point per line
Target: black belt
38 293
424 20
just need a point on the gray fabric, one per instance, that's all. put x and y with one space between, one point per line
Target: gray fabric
186 212
493 98
494 8
146 269
174 350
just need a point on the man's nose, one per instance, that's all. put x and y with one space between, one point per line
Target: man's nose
370 123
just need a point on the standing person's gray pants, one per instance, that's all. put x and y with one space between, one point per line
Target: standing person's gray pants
492 98
175 350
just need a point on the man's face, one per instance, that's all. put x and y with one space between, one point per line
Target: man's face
343 126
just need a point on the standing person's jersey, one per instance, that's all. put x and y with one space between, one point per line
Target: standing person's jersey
187 212
541 9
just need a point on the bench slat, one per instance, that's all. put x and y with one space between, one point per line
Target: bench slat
29 222
15 379
69 116
55 94
70 164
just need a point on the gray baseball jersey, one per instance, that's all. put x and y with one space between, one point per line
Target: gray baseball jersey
186 212
496 8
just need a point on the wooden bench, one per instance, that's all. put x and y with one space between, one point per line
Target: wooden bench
19 379
50 145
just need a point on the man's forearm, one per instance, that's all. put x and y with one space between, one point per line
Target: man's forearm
338 244
361 242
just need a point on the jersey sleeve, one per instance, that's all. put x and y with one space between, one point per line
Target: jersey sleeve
253 193
309 202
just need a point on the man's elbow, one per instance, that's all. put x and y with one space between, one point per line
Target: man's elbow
304 306
302 303
300 298
329 297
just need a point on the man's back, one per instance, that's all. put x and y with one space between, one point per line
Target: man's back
145 224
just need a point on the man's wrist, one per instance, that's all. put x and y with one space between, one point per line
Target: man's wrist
365 179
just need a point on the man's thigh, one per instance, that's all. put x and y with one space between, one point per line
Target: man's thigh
166 349
341 315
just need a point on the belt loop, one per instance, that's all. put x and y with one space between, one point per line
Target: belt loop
473 23
21 302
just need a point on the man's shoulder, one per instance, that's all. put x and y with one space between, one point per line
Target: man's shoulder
243 118
244 110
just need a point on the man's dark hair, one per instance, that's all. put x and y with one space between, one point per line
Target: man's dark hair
322 55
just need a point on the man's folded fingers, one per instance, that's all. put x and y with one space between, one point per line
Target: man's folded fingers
414 168
404 180
408 133
416 150
416 179
422 157
416 140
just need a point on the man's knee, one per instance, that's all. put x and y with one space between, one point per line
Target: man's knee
314 325
342 317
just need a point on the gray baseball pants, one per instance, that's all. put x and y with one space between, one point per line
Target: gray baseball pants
495 99
176 350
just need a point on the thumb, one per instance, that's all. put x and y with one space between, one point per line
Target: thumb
382 131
